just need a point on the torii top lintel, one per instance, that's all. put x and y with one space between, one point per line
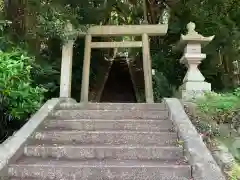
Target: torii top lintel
127 30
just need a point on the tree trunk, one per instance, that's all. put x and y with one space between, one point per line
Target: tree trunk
16 14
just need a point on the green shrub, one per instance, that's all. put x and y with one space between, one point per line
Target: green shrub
18 95
221 108
220 111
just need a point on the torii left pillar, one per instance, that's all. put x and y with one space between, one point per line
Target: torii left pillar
66 67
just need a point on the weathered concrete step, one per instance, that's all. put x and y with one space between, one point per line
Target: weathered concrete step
100 124
110 114
114 106
76 152
16 178
162 178
108 137
98 170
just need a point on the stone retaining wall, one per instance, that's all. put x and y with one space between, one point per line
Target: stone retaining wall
204 167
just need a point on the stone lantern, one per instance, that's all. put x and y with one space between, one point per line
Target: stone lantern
194 84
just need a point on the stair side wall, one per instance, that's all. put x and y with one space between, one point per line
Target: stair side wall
13 147
204 167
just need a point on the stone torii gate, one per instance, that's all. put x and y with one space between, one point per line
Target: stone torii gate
105 31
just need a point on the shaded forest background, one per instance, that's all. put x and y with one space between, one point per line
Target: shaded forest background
32 34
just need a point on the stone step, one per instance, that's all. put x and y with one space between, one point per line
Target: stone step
100 124
108 137
98 170
81 152
109 114
15 178
114 106
162 178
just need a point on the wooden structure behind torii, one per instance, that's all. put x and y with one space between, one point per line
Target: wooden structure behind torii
125 30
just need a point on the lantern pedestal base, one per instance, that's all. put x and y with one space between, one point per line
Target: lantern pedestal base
193 90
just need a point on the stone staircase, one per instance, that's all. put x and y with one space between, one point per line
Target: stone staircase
103 142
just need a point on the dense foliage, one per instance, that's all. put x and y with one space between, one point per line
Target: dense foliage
19 97
41 24
17 91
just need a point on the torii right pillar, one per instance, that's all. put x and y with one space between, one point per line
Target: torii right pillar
194 84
